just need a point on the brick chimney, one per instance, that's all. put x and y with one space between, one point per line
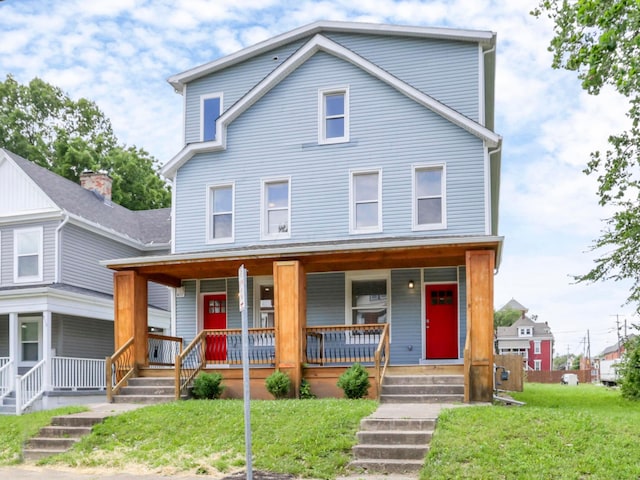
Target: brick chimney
97 182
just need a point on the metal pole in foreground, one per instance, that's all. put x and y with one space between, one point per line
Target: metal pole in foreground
242 280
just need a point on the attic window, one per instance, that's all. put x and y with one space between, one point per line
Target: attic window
333 121
210 109
525 332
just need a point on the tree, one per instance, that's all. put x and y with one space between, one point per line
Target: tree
41 123
600 40
630 369
505 317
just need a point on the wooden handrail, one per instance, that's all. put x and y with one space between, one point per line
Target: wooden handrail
383 346
127 369
167 338
179 384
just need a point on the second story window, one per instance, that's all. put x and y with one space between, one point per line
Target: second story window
537 347
429 205
27 245
525 331
366 207
210 109
333 116
276 214
220 213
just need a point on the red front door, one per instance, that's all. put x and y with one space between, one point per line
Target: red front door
441 321
215 318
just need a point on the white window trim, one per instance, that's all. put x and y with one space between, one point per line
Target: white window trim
414 204
203 98
22 321
352 204
322 137
32 278
348 313
537 365
537 347
209 220
260 281
264 227
525 332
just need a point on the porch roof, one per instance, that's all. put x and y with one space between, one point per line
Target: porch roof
360 254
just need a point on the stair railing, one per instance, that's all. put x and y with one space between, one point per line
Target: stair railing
189 362
119 368
382 358
30 387
6 379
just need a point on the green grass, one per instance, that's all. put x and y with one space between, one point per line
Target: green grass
584 432
311 438
14 431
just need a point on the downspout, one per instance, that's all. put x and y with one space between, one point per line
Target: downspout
58 263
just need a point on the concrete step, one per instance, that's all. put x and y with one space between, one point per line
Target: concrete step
393 452
423 380
424 389
143 399
388 424
388 465
152 382
77 420
435 398
147 390
394 437
51 443
38 454
64 431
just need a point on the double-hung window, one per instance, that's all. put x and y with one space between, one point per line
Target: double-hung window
276 211
366 204
333 118
220 218
27 247
210 109
367 304
429 200
537 347
30 341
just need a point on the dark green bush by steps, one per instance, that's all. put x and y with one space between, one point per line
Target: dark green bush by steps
207 386
278 384
355 382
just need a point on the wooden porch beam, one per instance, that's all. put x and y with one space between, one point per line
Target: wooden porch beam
130 316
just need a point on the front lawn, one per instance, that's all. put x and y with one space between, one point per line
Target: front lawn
584 432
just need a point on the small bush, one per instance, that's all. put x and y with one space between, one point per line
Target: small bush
278 384
305 390
630 370
355 382
207 386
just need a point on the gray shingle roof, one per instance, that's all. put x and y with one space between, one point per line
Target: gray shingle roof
145 226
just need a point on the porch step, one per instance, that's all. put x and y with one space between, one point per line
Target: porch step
64 432
148 390
392 445
422 389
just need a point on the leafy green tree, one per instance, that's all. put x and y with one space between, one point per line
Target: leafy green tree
41 123
630 369
505 317
600 40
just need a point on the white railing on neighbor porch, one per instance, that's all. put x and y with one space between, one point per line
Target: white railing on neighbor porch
77 373
6 377
29 387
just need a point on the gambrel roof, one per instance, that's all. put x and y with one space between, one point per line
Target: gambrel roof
145 227
319 42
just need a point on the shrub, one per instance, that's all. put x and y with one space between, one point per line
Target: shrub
630 370
305 390
355 382
278 384
208 386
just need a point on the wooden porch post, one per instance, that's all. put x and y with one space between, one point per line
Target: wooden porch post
480 265
130 305
290 285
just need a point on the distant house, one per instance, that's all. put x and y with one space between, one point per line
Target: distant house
354 170
533 340
56 300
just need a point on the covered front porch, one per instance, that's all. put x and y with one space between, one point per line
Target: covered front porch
296 336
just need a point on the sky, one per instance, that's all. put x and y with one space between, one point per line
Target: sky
119 53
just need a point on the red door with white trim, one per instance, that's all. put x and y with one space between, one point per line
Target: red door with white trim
441 321
215 318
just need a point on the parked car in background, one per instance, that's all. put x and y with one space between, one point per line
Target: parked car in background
569 379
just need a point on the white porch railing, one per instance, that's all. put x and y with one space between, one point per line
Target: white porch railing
29 387
77 373
6 377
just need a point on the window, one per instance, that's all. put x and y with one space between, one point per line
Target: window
367 304
220 217
266 308
210 109
366 207
537 365
536 347
429 197
333 116
525 331
28 255
276 213
29 341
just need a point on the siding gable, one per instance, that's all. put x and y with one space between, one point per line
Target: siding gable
316 44
19 195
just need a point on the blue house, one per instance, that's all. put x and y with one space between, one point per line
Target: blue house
353 169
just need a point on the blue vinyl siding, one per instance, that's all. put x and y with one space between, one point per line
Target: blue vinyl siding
406 318
4 335
7 255
80 337
325 299
278 137
186 313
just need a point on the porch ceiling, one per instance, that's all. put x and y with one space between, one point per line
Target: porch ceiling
172 269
